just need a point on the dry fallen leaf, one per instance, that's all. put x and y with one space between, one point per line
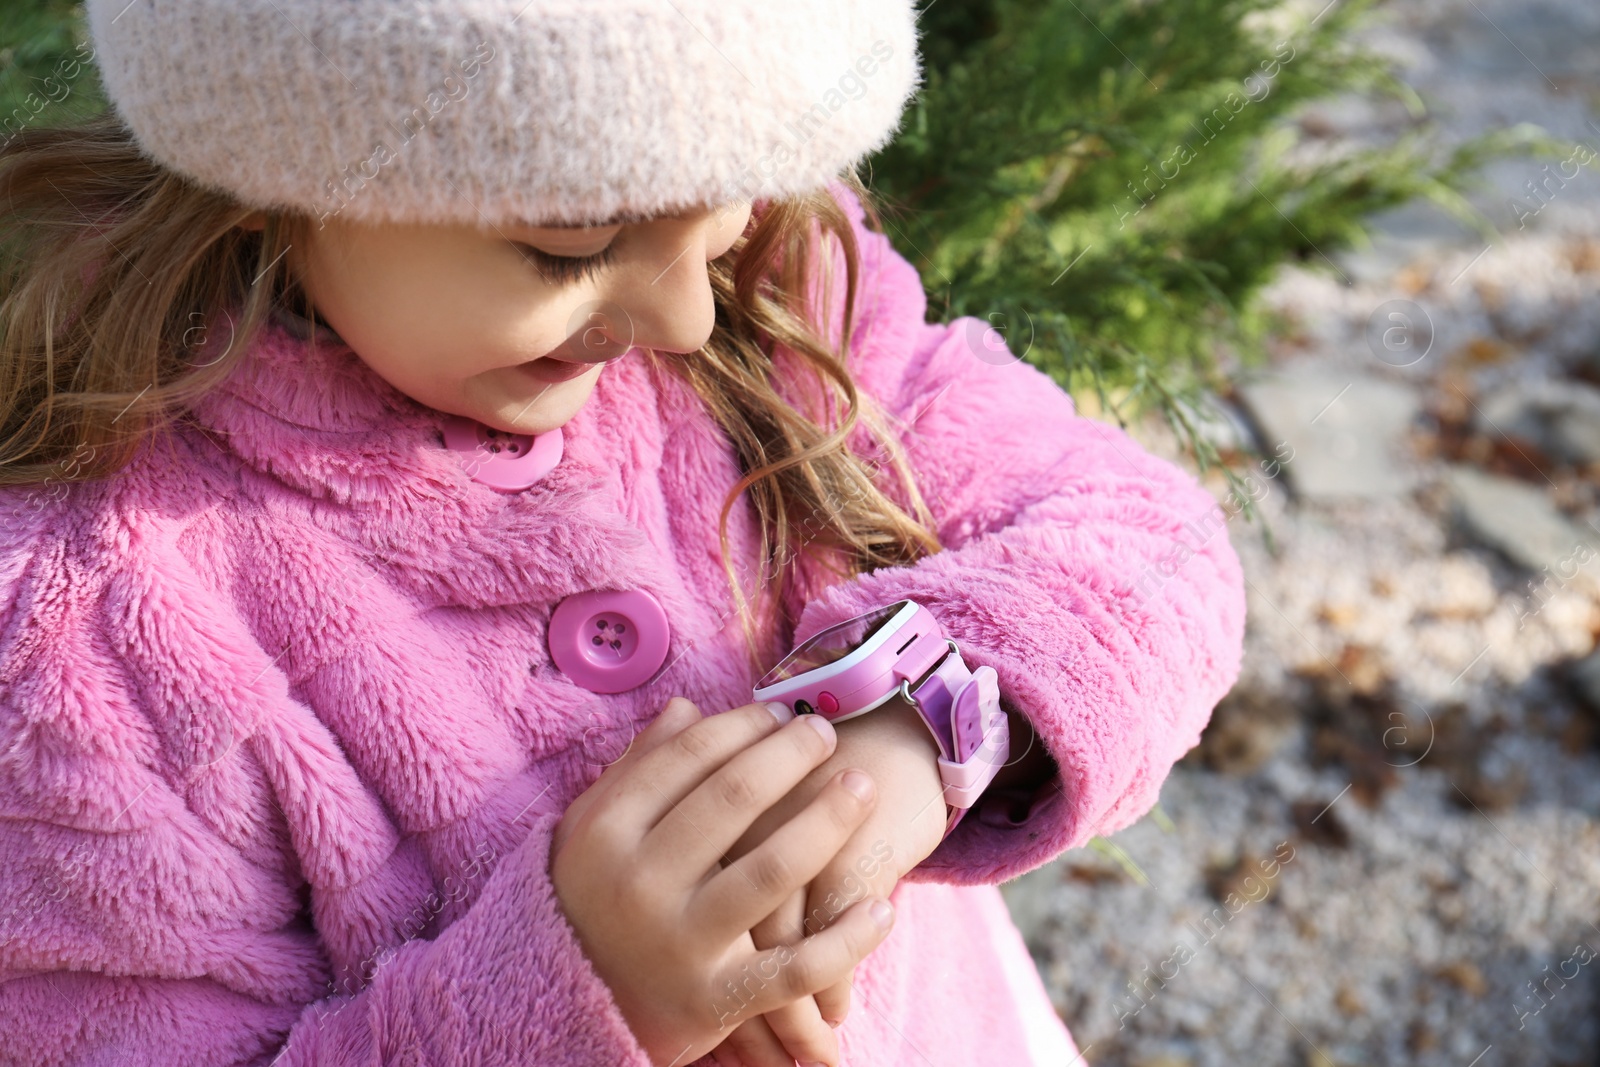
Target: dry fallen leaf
1465 976
1326 829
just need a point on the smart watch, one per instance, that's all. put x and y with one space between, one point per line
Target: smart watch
849 669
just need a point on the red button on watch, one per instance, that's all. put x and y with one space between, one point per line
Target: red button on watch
509 462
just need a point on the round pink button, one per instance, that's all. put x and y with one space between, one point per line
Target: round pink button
609 641
510 462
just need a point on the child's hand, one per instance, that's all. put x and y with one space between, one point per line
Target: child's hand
635 864
892 744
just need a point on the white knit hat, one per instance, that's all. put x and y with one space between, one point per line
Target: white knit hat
542 111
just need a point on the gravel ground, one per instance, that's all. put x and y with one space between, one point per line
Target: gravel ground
1387 848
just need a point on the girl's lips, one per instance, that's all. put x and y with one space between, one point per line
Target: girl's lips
547 369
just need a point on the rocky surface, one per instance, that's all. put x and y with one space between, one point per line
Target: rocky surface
1386 849
1342 428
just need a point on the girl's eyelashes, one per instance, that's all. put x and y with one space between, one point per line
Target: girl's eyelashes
564 270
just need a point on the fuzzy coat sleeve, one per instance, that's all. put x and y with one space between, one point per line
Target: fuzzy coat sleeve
135 932
1095 579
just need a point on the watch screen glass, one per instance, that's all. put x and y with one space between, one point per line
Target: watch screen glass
834 643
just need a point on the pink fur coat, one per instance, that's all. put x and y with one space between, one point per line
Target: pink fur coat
282 748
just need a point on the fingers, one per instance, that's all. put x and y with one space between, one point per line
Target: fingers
798 1031
753 1044
778 976
787 926
833 1003
677 715
756 884
658 779
803 1033
708 822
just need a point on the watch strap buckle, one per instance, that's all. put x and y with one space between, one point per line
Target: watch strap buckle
981 737
962 710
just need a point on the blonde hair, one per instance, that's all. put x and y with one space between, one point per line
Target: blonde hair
113 266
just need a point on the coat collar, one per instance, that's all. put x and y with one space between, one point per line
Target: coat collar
312 424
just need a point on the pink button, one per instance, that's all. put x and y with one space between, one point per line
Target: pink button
827 703
609 641
510 462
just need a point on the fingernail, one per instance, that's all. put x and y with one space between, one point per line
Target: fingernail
780 711
858 783
881 913
835 1023
821 726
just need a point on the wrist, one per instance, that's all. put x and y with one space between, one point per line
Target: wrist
897 728
894 746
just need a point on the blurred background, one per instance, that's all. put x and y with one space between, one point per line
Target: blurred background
1343 259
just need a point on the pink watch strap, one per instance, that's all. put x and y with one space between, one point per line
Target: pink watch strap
962 710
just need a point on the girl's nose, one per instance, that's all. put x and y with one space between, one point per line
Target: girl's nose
666 297
674 311
672 307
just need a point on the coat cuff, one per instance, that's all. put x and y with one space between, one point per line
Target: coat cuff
1070 658
988 845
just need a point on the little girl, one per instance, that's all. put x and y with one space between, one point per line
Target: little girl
424 422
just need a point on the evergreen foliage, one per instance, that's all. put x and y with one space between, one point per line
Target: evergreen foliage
43 79
1109 182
